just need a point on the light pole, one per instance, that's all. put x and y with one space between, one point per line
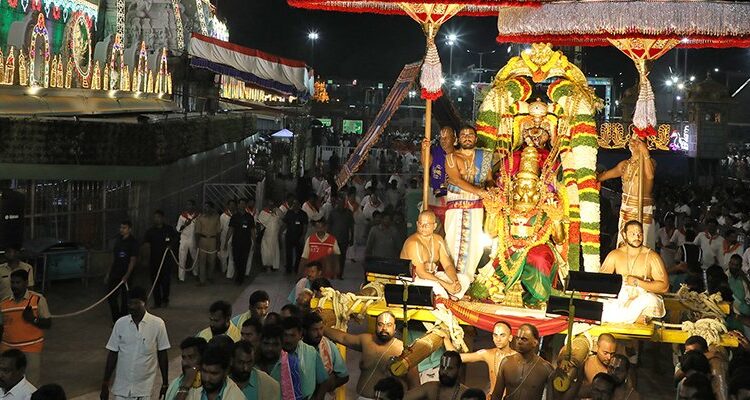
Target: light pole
452 39
312 36
481 58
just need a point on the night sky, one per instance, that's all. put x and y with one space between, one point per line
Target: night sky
367 46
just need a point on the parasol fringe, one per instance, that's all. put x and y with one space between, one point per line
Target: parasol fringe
431 78
474 8
645 109
694 23
644 117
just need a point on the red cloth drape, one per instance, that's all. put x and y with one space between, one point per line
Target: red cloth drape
485 321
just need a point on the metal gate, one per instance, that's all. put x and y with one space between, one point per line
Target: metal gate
220 193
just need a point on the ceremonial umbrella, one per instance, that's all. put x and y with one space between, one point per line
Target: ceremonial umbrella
430 14
643 30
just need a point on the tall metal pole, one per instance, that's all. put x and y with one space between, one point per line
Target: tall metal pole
640 187
312 53
450 66
426 156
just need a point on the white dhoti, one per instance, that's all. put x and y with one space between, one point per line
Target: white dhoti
187 246
463 232
629 212
270 252
627 310
439 290
360 228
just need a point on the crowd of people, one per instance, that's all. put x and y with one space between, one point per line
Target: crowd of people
293 354
702 240
737 161
265 355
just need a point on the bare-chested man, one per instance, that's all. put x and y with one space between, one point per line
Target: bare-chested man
628 171
644 277
377 350
469 171
431 264
448 388
619 368
606 347
524 375
501 336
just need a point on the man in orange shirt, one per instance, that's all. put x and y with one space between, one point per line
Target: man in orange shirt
321 246
24 315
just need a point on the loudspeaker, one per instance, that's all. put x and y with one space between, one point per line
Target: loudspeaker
585 309
11 218
387 266
418 296
594 282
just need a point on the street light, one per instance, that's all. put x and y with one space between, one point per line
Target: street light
457 83
312 36
451 39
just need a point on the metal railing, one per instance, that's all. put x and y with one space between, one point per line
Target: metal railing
89 212
323 153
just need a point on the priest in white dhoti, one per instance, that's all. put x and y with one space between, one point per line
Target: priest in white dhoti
270 252
469 170
431 265
644 279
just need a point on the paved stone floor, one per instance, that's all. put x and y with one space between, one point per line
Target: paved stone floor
74 355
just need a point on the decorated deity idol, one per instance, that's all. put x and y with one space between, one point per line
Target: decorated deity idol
542 212
525 212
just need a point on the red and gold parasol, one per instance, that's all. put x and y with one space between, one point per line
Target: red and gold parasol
430 14
643 30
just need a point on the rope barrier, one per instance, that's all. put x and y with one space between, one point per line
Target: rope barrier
153 286
79 312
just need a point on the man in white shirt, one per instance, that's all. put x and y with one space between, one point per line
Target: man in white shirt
371 203
312 209
13 384
729 248
137 344
711 243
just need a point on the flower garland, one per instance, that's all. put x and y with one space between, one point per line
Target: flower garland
558 90
583 131
579 175
501 104
504 252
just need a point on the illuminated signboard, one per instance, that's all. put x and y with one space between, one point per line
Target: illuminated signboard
352 126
